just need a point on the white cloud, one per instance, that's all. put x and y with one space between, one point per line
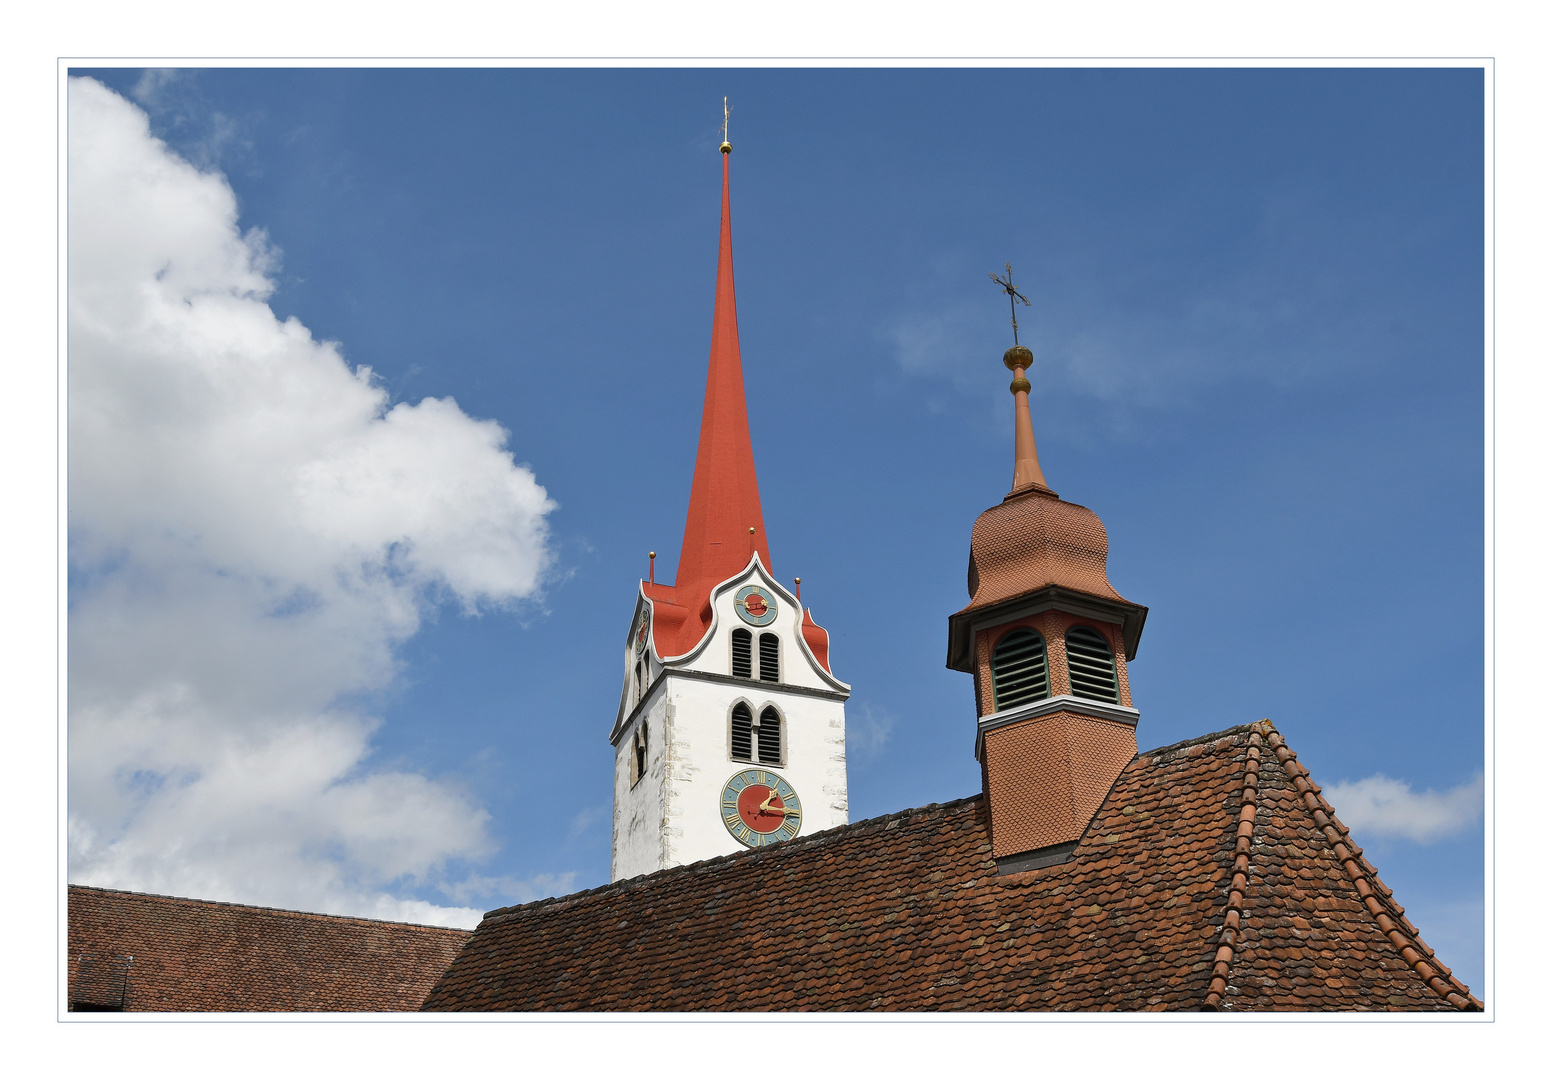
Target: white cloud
584 820
513 890
253 533
1378 806
868 728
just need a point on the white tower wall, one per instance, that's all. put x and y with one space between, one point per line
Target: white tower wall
672 815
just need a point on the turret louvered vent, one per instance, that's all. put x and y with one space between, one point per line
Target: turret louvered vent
1090 666
742 743
743 654
1019 673
770 654
770 737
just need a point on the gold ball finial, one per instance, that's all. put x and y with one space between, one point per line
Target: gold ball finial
651 554
1018 357
727 148
751 530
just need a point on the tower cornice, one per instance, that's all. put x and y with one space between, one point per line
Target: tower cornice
962 625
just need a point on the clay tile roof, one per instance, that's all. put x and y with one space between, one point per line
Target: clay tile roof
1034 539
161 953
1213 877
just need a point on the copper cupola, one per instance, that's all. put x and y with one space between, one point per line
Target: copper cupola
1047 638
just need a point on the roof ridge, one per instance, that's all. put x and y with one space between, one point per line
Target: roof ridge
1209 737
1250 787
260 907
1376 896
795 844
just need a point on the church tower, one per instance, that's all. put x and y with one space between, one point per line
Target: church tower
731 731
1047 638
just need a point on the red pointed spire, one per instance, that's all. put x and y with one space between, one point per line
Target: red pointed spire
725 525
724 495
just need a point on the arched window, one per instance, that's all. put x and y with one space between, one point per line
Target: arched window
770 736
741 745
770 657
743 659
1019 673
1090 666
639 753
641 679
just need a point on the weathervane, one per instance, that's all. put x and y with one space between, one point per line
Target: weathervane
1007 286
726 146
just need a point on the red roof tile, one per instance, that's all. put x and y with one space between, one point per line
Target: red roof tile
162 953
1212 877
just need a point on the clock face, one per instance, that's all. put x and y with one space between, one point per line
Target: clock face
760 808
755 606
641 635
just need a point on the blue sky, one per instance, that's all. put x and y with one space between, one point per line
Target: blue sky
1257 320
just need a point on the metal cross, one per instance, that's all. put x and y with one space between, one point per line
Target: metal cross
1013 296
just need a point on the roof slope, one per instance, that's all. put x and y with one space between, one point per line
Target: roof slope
198 955
1209 879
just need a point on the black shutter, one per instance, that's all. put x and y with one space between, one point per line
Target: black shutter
770 737
770 653
743 731
743 666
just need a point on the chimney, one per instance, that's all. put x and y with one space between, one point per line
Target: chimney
1047 639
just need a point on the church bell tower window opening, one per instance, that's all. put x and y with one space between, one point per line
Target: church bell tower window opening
769 736
1091 666
770 658
639 754
741 743
1020 673
743 654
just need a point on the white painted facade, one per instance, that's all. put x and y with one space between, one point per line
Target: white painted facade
671 814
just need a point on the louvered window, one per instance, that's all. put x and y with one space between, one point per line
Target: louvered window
1019 673
770 737
770 654
742 744
743 660
1090 666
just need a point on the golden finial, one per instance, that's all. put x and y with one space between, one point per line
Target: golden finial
727 147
